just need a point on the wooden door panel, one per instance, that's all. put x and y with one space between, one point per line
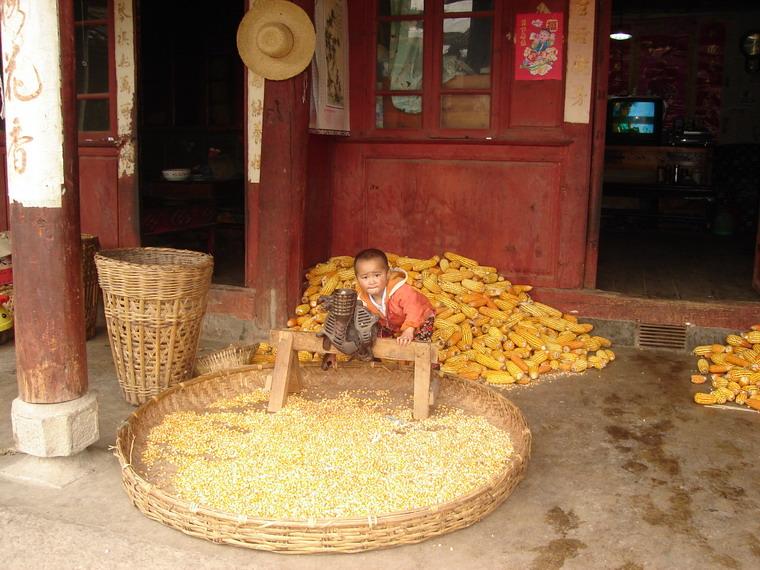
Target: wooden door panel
501 213
98 199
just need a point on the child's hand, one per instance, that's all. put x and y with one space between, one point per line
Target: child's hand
406 337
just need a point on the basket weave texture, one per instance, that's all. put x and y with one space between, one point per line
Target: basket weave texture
233 356
154 302
90 246
157 502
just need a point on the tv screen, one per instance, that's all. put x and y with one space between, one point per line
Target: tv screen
633 120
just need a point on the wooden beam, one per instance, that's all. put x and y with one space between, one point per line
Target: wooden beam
383 347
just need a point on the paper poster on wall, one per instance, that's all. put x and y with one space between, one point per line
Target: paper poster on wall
329 69
539 46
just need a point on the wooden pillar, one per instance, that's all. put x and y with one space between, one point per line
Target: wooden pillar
41 138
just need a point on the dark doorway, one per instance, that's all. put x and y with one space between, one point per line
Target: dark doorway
680 207
191 150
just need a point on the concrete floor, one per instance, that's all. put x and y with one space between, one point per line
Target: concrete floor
626 473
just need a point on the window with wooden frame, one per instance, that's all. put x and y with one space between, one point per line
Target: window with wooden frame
434 62
95 73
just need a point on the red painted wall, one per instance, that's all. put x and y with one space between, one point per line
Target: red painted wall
518 201
318 218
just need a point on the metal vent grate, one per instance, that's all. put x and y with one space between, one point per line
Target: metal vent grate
650 335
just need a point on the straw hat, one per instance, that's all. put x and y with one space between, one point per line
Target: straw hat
276 39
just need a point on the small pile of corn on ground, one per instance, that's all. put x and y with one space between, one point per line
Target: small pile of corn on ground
355 455
733 369
486 327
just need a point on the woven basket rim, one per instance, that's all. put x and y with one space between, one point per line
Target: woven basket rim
121 450
200 259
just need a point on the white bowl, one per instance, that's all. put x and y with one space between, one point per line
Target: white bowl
176 174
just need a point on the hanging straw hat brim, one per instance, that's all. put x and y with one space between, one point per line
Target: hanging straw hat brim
282 13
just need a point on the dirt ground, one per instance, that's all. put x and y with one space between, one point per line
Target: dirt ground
626 473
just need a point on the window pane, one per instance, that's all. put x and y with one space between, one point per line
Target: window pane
467 5
93 115
393 112
90 10
92 59
466 53
465 111
404 59
400 7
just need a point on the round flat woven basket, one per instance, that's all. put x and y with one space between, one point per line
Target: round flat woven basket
157 501
154 302
232 356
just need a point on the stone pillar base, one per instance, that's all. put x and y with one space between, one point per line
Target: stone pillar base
55 430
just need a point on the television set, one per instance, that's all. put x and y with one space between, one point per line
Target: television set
634 120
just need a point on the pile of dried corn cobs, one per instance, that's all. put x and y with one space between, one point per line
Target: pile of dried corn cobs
734 370
355 455
485 327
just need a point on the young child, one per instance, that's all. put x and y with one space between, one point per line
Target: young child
404 312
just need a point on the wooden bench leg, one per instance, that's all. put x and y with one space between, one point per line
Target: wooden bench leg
422 371
286 376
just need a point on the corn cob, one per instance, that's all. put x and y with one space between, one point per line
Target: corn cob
736 340
303 309
506 306
342 261
488 361
703 366
514 370
462 260
492 342
579 365
581 327
493 313
431 284
513 319
531 309
346 274
452 276
498 377
472 285
534 342
555 323
447 301
741 398
753 336
466 334
698 379
453 288
736 360
469 312
322 269
329 284
547 310
426 263
705 399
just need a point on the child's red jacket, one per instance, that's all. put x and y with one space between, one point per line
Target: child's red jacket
404 306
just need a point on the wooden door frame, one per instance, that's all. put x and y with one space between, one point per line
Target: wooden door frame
599 83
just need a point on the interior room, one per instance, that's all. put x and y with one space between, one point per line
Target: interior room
682 156
190 115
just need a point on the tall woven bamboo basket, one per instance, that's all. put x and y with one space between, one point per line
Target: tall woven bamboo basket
154 302
90 246
156 498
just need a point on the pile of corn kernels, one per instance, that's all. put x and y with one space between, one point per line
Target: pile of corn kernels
355 455
485 328
733 369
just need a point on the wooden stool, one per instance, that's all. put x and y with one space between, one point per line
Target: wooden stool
286 377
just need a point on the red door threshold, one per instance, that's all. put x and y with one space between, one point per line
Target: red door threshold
594 303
